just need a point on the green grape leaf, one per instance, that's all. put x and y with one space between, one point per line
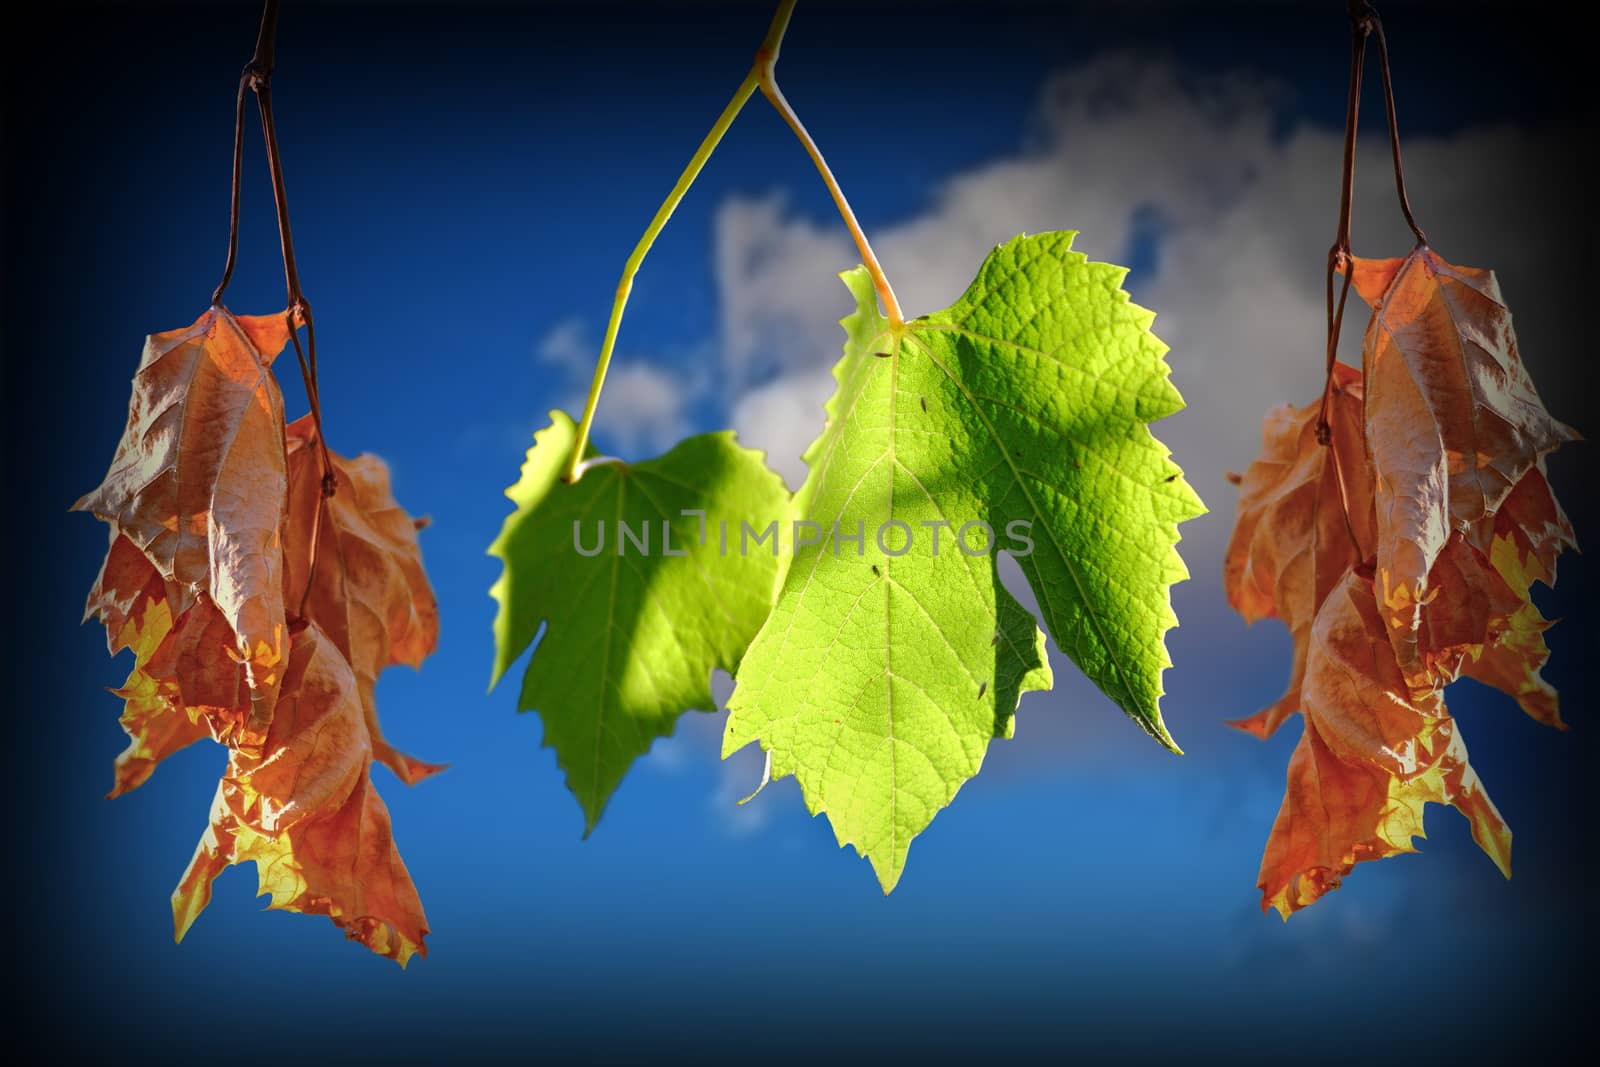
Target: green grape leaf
635 626
886 666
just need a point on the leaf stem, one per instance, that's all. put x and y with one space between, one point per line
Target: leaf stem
762 75
767 68
1339 254
691 171
1361 21
1364 23
257 78
1394 128
233 209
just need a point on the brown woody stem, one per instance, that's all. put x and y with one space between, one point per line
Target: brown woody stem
1394 128
233 210
1362 19
1339 254
257 78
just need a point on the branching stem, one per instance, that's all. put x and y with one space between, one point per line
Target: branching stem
1339 259
1394 129
1339 254
1364 23
257 78
761 76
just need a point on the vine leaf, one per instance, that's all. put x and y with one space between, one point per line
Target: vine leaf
632 631
1374 751
306 812
368 592
197 482
886 668
1453 421
1292 542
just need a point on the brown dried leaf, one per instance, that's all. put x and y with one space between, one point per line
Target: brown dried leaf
1530 533
204 546
155 727
307 813
368 593
1536 529
198 482
1291 543
1453 423
1374 752
186 682
1470 605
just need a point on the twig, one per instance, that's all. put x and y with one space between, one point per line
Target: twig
1362 19
1394 129
257 78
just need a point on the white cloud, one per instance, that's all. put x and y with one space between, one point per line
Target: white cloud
643 408
567 345
783 418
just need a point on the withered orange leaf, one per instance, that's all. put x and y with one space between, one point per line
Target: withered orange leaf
126 579
1535 528
368 591
187 682
198 481
259 614
155 727
1513 661
1531 531
1373 753
1469 605
1292 542
1378 743
1453 422
307 813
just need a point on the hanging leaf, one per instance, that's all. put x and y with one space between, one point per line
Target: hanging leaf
187 681
368 593
1378 743
194 583
1292 542
1374 752
1453 421
644 580
1019 414
307 813
156 722
198 483
1531 531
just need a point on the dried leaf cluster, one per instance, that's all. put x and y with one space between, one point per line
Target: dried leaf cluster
1401 555
262 584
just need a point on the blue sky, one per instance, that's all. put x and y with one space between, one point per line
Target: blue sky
465 188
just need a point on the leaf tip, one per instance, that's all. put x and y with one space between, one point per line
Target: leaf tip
1250 724
1157 729
888 875
766 779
